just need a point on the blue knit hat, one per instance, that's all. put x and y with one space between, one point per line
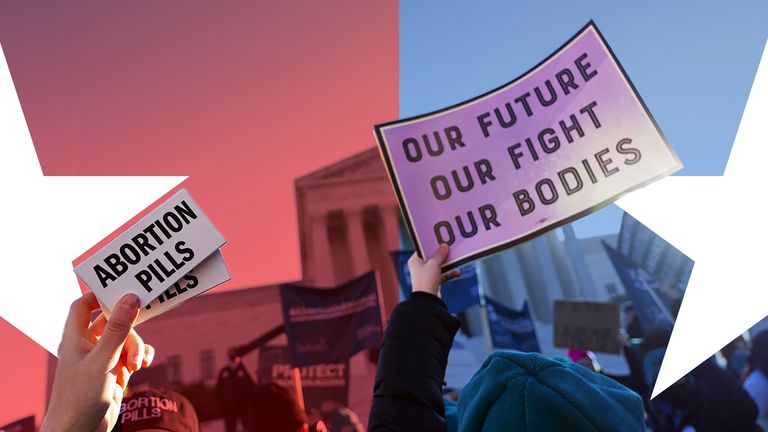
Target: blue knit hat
529 392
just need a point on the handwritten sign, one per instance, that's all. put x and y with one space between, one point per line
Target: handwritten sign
153 254
587 325
566 138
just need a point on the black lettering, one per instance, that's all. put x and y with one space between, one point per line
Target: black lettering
590 173
488 216
590 110
523 99
192 280
570 189
467 233
176 265
182 248
552 94
142 242
553 140
484 171
144 277
104 276
532 149
184 210
457 180
582 66
565 79
116 264
605 162
506 123
172 221
440 180
436 151
154 271
524 202
412 150
481 120
443 227
514 154
453 133
151 231
540 192
622 147
575 126
130 254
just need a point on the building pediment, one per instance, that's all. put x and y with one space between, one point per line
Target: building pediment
366 165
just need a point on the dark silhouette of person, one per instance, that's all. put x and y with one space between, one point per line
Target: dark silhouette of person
233 387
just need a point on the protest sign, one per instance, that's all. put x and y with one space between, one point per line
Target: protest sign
566 138
511 329
26 424
330 325
587 325
458 294
642 290
208 274
325 386
152 254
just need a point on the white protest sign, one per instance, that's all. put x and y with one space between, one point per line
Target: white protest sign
152 254
210 273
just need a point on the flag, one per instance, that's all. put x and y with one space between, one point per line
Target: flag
642 288
330 325
325 386
458 294
511 329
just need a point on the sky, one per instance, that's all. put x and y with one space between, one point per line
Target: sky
244 97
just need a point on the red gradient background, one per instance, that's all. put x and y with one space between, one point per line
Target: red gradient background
243 97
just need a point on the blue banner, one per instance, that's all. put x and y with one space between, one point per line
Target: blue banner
511 329
458 294
642 289
330 325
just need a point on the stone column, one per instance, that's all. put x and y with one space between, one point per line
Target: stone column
322 271
390 217
358 249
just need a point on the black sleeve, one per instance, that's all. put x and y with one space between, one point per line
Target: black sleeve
407 395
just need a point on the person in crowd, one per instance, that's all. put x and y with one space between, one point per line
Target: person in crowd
511 391
736 355
271 407
96 360
632 323
157 410
345 420
708 399
756 382
232 388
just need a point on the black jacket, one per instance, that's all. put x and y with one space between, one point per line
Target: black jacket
407 395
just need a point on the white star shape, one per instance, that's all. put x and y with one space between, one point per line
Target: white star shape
46 222
720 223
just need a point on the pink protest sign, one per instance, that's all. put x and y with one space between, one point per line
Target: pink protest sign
559 142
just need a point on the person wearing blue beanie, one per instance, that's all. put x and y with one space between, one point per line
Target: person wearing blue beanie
511 391
529 392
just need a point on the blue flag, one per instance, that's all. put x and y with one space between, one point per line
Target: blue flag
458 294
330 325
511 329
641 287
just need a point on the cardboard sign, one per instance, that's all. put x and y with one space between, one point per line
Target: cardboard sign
564 139
210 273
587 325
153 254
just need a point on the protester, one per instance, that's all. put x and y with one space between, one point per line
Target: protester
708 399
96 360
511 391
233 386
345 420
157 410
756 383
272 408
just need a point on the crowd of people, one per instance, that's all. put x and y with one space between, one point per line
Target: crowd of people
511 390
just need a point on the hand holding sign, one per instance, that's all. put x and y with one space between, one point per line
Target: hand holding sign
426 275
565 139
153 254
